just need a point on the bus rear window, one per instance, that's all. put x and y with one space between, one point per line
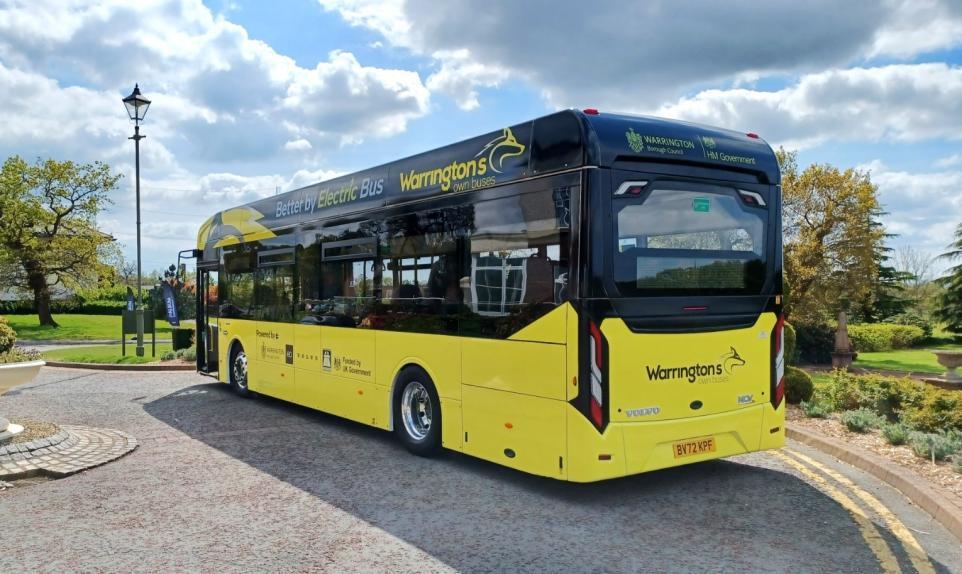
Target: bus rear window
689 242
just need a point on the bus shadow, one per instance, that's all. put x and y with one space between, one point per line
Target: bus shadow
477 516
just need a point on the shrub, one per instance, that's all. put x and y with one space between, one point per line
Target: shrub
790 338
168 356
957 463
188 354
875 337
798 386
814 343
937 446
7 336
887 396
860 420
934 409
895 433
869 339
18 355
815 410
915 319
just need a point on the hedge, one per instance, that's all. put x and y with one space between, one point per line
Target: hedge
875 337
65 306
919 405
814 344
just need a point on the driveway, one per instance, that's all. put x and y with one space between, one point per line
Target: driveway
221 483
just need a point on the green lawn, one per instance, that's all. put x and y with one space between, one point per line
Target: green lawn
905 360
75 328
105 354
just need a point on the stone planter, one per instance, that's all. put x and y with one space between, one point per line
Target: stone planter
14 374
951 360
11 375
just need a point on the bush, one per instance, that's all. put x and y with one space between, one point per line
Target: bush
895 433
65 306
876 337
860 420
814 343
886 396
957 463
934 409
798 386
181 338
815 410
7 336
790 338
937 446
915 319
168 356
18 355
188 354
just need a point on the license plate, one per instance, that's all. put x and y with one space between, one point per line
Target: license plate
694 447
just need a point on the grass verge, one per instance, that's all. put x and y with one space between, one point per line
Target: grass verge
75 328
106 355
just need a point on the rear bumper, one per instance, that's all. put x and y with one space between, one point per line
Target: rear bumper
634 448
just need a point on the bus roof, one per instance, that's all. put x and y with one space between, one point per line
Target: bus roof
564 140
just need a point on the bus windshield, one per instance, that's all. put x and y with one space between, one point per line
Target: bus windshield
689 240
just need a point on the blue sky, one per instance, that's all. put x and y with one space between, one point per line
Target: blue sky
252 97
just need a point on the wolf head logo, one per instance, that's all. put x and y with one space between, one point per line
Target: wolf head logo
732 360
501 148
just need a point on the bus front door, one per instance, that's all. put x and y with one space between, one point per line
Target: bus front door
207 318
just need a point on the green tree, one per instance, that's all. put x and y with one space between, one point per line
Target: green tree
832 238
949 304
48 226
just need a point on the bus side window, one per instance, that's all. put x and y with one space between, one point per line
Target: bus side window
237 286
518 265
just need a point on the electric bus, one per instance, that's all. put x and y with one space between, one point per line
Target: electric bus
582 296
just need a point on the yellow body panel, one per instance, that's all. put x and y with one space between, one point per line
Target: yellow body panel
438 355
520 431
536 369
511 397
307 348
348 352
551 328
661 376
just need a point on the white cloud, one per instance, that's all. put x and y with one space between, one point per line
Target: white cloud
923 208
902 102
214 88
298 145
619 55
918 27
949 161
460 76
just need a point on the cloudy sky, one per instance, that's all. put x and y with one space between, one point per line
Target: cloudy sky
252 97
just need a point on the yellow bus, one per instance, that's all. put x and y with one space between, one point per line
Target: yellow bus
582 296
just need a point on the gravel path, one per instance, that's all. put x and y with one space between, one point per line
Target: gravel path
225 484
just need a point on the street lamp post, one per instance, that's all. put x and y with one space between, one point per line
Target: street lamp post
137 105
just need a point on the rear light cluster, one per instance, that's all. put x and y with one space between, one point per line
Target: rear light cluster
596 360
778 362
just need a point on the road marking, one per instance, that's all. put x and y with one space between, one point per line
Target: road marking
869 533
917 555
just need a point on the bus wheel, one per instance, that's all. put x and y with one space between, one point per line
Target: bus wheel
417 412
238 371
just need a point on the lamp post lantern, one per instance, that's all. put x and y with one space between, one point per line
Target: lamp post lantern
137 105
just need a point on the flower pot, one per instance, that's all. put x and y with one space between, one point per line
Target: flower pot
951 360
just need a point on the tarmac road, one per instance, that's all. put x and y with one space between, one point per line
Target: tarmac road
221 483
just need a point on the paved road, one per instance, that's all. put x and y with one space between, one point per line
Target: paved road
221 483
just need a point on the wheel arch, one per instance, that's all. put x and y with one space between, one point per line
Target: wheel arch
402 365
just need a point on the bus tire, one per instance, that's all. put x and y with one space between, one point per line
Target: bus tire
417 412
237 372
